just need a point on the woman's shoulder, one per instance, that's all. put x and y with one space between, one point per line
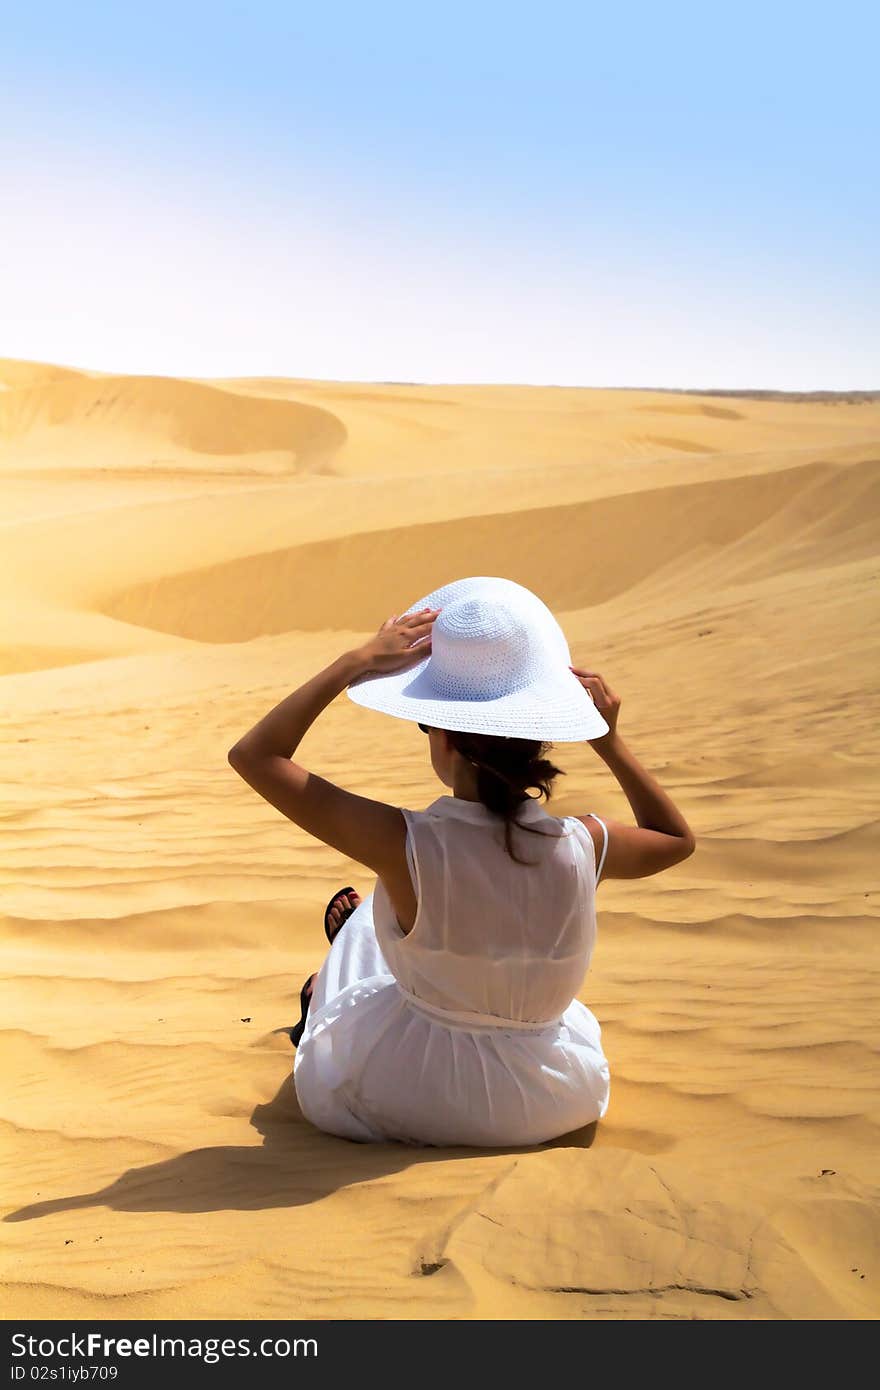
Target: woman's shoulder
582 828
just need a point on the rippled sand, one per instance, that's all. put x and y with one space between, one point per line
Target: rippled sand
177 556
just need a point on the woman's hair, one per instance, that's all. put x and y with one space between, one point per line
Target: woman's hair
506 768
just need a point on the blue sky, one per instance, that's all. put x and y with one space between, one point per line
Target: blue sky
576 194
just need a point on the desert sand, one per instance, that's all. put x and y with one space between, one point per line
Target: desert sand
180 554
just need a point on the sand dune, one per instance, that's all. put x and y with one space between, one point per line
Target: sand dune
177 555
159 423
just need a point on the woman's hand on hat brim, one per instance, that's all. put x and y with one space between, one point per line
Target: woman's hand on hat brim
600 692
399 643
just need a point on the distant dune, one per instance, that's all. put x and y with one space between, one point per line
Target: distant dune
178 555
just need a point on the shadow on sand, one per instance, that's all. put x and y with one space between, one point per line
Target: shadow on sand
294 1165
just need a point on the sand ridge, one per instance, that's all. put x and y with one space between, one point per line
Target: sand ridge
177 555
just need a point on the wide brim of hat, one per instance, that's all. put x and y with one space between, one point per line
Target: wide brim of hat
555 709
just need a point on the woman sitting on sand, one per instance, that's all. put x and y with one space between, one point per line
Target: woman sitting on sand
445 1010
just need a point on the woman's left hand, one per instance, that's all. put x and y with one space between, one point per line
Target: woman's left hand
400 642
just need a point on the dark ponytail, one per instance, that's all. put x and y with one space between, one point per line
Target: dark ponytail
506 768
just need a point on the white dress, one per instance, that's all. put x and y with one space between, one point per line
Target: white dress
465 1031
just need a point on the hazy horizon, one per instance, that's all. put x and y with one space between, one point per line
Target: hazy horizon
593 200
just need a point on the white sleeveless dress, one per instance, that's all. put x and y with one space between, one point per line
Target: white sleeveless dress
465 1031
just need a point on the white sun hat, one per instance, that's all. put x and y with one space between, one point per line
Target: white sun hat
499 664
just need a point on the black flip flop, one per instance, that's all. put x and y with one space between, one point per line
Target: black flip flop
305 1000
330 934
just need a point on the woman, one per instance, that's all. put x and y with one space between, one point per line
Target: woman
445 1011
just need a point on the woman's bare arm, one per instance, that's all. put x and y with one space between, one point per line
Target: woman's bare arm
369 831
661 836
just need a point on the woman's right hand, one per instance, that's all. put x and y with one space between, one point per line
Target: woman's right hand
603 697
